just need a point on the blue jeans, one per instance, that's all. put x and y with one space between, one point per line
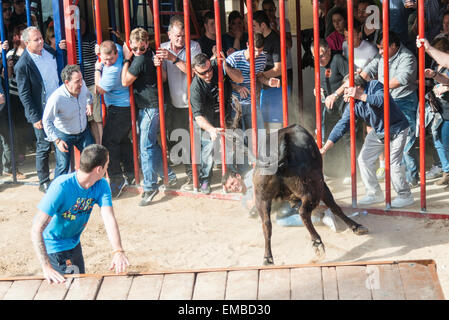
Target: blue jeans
43 149
69 261
442 145
150 151
408 106
207 157
80 141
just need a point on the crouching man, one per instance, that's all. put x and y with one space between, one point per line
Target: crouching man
369 107
64 212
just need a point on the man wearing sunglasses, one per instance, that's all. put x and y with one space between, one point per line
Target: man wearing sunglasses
204 100
141 73
19 15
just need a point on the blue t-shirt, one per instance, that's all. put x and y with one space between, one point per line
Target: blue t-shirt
111 82
238 61
70 206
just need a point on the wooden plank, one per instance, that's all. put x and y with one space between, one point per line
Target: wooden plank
53 291
242 285
4 287
84 288
115 288
385 282
417 282
352 282
177 286
274 284
23 290
329 278
210 286
306 284
146 287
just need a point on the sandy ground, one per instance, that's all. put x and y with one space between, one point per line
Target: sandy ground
178 233
187 233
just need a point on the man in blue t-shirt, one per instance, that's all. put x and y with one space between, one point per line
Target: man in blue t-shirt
108 82
64 212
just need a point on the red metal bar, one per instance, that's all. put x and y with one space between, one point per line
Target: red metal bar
422 89
127 20
352 103
189 81
386 22
283 62
99 41
252 63
160 88
316 54
299 62
220 82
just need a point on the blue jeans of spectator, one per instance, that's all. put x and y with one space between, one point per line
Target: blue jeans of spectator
207 157
80 141
442 145
43 149
69 261
408 106
150 151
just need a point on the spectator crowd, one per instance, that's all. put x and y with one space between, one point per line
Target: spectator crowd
64 110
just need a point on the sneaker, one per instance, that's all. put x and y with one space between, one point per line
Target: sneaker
205 188
173 183
380 174
434 172
147 197
19 175
117 188
347 181
188 186
444 180
402 202
370 199
414 184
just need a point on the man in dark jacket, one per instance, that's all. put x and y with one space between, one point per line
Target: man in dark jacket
204 100
369 107
37 78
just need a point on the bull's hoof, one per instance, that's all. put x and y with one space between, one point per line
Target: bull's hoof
360 230
318 247
268 261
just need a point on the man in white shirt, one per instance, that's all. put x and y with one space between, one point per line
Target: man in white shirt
173 53
364 51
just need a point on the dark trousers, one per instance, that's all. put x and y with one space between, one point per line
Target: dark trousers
80 141
116 140
43 149
68 262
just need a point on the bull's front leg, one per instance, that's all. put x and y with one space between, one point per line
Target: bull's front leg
264 209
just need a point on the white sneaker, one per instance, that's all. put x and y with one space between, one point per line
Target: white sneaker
434 172
347 181
402 202
372 198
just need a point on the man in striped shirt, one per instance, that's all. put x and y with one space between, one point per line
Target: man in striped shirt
241 60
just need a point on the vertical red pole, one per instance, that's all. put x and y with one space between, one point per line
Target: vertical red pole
99 41
352 103
316 54
299 61
160 88
422 127
386 22
252 64
283 62
189 81
127 23
220 81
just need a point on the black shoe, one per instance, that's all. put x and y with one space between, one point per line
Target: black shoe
44 187
117 188
173 183
147 197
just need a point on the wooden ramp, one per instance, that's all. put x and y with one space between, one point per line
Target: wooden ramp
398 280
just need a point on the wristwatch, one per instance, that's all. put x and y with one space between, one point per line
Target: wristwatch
177 60
126 60
335 94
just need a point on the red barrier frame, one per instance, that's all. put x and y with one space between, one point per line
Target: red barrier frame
284 82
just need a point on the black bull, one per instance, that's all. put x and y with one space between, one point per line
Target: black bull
298 175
